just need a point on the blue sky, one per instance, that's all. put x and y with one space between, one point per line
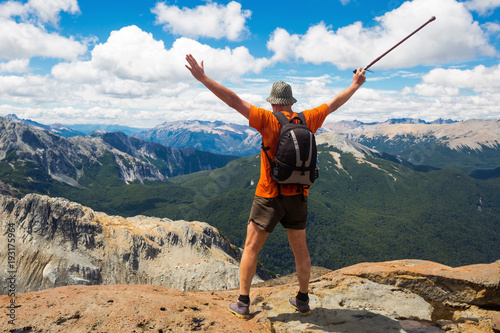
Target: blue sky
122 62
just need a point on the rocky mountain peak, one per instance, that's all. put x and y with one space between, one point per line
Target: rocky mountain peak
12 117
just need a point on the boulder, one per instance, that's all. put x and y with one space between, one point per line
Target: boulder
461 286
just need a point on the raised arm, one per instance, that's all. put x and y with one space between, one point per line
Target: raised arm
223 93
357 81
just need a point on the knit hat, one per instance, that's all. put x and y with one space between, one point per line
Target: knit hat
281 93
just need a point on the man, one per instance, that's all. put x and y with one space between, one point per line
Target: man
289 208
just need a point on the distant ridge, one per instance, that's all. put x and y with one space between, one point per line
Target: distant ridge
466 145
470 133
215 137
89 128
58 129
419 121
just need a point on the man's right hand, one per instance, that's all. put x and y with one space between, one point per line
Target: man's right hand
195 69
359 77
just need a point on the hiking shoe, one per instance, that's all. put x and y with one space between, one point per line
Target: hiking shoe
240 309
302 307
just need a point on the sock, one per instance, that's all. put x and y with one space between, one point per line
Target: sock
302 297
244 298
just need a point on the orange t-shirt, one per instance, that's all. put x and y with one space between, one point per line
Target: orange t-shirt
269 127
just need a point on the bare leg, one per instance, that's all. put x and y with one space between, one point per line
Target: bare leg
248 266
298 243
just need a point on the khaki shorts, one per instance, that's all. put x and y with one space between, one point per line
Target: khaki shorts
291 211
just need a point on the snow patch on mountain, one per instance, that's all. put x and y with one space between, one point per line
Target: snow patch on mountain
345 145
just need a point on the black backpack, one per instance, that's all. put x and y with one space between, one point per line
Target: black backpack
296 153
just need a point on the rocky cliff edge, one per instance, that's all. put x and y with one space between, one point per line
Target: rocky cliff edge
53 242
399 296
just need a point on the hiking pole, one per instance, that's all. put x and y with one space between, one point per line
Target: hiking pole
392 48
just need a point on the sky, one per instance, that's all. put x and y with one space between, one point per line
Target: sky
123 62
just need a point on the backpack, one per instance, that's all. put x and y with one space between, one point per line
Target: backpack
296 153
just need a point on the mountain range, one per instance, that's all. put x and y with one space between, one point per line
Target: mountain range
30 155
400 189
367 205
58 129
72 269
468 145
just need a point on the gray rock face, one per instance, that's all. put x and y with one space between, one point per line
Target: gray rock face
58 242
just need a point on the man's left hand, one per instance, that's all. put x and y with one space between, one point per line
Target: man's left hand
195 69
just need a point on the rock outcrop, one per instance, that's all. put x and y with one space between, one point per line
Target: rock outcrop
57 243
412 296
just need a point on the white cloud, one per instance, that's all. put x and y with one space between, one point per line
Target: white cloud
441 94
14 66
47 11
211 20
282 44
133 79
430 90
491 28
28 38
38 12
396 105
479 79
483 7
23 40
27 89
11 8
135 73
453 37
132 54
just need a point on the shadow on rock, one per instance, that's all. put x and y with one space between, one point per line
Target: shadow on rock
336 320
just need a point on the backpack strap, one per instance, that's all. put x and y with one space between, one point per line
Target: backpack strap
271 163
284 120
302 118
281 118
